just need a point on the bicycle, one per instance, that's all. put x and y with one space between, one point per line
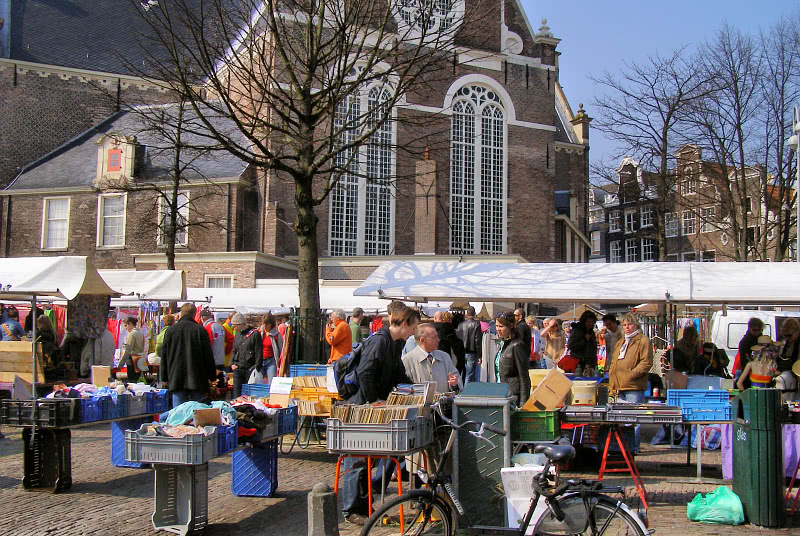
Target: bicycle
573 507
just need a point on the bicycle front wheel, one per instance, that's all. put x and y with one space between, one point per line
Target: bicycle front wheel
608 516
414 513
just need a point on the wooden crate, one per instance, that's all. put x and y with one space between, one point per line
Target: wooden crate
15 360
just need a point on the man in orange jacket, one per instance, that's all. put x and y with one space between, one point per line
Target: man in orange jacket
338 335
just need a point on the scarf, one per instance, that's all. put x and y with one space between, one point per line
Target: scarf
625 344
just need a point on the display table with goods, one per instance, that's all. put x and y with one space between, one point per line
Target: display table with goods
46 423
180 447
390 431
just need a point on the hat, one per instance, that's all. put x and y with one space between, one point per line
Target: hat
796 368
237 318
205 313
763 340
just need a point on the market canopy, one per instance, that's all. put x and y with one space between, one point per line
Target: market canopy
657 282
58 277
147 284
281 296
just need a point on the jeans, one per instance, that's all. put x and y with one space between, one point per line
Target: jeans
471 367
133 376
240 377
179 397
634 397
348 487
270 369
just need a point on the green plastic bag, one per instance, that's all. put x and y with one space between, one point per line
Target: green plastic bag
721 506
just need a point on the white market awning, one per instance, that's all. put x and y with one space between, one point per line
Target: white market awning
655 282
162 285
56 277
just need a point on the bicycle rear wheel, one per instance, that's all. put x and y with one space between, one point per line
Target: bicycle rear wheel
609 519
415 513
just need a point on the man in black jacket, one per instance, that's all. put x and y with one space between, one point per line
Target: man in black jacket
247 354
523 329
187 363
379 371
583 343
470 334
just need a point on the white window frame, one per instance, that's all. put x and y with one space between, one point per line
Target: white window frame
630 221
686 253
184 211
469 235
101 199
748 201
672 257
707 216
348 231
702 253
615 256
674 224
631 249
46 224
614 221
653 250
689 186
688 218
208 277
646 216
595 242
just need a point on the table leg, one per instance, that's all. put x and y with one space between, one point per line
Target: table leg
699 439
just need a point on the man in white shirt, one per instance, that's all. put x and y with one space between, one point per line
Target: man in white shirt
426 363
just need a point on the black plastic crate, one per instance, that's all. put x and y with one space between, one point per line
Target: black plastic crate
50 412
47 460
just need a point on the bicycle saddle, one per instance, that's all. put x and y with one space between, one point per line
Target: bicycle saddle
556 453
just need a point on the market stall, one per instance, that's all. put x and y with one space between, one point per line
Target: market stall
667 284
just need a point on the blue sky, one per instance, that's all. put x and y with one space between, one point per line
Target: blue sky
598 35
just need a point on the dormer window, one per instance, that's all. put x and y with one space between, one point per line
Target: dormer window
114 160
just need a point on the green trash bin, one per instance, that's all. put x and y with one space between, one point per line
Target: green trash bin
758 477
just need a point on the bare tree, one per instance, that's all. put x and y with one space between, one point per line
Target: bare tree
725 123
642 112
780 86
289 74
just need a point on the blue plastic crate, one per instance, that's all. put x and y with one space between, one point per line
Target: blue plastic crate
698 412
287 420
308 370
255 389
90 410
157 401
227 438
254 472
701 404
111 409
118 441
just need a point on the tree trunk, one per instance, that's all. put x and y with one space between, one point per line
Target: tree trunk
309 328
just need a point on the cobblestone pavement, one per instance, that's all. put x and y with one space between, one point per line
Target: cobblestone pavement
110 500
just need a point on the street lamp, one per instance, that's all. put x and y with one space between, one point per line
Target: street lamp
794 145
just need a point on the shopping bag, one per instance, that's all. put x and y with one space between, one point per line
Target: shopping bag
721 506
256 377
568 362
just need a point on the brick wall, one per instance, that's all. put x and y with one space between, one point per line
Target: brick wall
24 234
40 110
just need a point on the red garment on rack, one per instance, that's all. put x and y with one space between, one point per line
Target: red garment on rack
113 327
61 320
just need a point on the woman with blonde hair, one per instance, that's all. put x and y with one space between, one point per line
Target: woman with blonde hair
631 361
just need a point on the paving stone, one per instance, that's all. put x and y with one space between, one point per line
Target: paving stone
112 500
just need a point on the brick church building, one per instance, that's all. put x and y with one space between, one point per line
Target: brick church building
510 183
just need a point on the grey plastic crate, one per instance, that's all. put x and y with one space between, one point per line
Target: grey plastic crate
193 449
181 498
137 405
640 414
397 437
583 414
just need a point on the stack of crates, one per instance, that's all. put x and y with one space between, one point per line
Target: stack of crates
254 471
699 405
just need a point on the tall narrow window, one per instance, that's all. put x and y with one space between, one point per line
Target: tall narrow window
648 249
631 248
707 223
55 223
630 221
181 221
477 173
361 203
111 220
614 218
595 241
671 224
616 251
689 222
646 216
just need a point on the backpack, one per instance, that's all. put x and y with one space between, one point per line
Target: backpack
345 372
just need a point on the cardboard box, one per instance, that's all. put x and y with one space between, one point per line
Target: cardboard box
207 417
550 394
100 375
537 375
517 488
582 393
676 380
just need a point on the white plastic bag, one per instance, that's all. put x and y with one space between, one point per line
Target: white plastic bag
256 377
